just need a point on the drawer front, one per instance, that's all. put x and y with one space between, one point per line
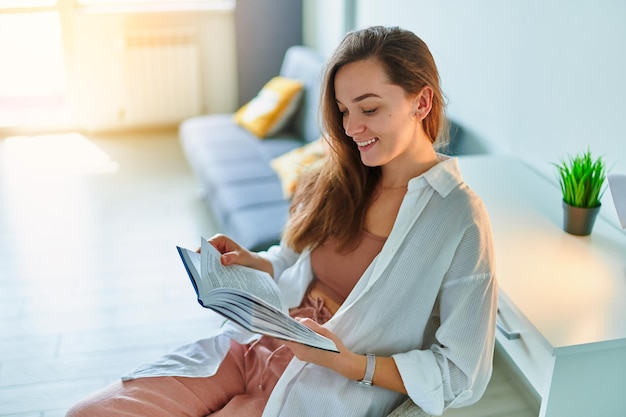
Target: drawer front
527 349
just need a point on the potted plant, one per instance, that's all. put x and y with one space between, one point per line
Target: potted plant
581 178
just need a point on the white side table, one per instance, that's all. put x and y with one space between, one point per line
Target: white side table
562 297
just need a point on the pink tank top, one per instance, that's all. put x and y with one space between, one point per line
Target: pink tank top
337 273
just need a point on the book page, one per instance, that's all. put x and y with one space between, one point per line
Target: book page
215 275
257 316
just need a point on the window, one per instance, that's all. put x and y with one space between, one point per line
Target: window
36 37
10 4
33 76
138 6
137 2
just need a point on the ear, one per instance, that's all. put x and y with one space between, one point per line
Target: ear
423 103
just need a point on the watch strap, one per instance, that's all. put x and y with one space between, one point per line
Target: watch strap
369 370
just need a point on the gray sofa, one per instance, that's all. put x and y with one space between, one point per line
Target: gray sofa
233 168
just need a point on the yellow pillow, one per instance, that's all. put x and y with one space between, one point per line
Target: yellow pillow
268 112
290 165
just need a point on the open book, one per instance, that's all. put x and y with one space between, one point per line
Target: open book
247 296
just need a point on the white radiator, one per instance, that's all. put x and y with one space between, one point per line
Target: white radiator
162 77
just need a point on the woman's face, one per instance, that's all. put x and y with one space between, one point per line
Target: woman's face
377 115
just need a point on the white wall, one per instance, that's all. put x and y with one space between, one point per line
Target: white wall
540 79
97 54
537 78
324 24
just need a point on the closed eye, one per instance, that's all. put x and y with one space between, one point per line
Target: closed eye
366 112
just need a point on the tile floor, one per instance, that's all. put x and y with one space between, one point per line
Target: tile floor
90 281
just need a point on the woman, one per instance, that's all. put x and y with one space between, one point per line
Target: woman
387 252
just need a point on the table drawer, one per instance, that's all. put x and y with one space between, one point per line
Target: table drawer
526 348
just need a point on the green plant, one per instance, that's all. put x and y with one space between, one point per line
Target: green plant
581 178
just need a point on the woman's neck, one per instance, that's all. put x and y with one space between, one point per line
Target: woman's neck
396 176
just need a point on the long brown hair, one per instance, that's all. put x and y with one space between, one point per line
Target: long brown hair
332 202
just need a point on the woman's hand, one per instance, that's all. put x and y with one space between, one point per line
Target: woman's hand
233 253
350 365
346 363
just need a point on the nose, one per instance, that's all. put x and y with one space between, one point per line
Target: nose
353 125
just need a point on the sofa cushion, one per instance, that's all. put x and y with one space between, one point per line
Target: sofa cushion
305 64
215 137
290 165
258 227
232 197
270 111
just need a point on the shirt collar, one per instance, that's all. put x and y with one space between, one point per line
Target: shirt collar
443 177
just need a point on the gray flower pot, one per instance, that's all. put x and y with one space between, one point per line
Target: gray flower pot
579 221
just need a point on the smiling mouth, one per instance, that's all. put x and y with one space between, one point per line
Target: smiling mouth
366 142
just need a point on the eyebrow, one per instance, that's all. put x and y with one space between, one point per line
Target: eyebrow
362 97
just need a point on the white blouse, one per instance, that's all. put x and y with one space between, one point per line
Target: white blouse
428 300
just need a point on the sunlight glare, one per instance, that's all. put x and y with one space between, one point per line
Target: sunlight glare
15 4
70 153
32 41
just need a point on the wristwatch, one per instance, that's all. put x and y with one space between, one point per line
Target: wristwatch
369 370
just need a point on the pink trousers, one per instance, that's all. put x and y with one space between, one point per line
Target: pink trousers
241 387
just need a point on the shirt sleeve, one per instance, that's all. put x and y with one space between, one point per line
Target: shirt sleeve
281 257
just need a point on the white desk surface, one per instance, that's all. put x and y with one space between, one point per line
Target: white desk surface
571 288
